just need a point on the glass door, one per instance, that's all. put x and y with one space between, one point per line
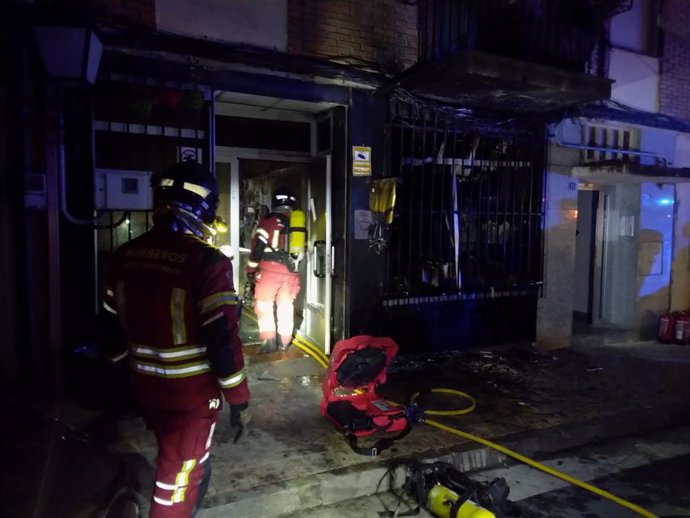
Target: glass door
319 268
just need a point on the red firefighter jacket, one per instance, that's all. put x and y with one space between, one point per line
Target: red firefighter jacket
270 242
174 297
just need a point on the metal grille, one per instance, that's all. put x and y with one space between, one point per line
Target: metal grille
469 213
144 126
609 139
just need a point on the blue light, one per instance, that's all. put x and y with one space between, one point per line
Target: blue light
665 201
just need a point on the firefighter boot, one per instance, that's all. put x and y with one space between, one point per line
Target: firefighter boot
284 342
269 346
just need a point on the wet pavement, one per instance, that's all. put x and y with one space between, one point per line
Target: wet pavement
292 459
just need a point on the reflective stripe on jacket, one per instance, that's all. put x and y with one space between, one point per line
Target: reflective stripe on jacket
166 288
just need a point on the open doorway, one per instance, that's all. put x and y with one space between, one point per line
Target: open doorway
247 180
262 143
591 294
623 258
258 180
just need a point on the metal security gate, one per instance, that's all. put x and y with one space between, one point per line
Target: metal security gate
469 210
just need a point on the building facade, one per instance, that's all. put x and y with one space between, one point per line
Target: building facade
445 172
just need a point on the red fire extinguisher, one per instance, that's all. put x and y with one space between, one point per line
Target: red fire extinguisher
682 329
667 328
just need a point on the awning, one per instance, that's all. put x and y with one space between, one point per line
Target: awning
473 79
215 62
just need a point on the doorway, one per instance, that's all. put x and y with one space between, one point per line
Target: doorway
591 250
247 179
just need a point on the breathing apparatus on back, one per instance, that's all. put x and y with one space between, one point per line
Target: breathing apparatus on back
284 203
185 199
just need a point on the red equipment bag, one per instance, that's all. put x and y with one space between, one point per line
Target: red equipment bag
358 366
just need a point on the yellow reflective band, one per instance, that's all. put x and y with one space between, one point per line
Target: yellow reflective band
196 189
212 319
178 371
107 307
182 480
170 355
262 232
232 381
208 441
166 182
119 357
110 292
252 264
276 239
159 500
179 329
222 298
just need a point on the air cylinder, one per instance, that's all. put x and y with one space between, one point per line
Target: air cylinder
298 233
440 500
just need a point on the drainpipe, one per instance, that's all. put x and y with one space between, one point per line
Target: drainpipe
557 139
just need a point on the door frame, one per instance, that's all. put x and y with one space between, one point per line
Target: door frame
232 156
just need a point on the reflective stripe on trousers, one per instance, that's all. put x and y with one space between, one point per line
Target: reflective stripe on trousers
184 443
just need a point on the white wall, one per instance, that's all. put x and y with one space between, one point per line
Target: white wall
632 29
636 79
680 269
634 39
655 249
262 23
682 156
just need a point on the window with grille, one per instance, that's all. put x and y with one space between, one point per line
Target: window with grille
469 211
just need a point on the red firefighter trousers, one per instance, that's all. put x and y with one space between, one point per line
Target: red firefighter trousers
276 286
183 464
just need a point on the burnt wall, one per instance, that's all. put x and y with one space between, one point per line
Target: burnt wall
382 32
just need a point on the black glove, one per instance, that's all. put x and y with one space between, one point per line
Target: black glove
239 419
251 277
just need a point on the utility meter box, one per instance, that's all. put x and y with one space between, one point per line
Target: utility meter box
118 189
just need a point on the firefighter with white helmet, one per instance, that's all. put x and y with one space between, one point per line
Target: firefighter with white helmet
273 264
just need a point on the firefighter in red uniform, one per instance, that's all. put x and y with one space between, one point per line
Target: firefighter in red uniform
173 294
277 278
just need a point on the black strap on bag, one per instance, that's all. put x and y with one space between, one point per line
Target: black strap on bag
352 420
380 445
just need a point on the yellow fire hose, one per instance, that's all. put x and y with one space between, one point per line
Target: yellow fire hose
313 351
300 342
530 462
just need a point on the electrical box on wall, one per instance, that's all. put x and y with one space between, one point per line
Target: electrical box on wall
118 189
